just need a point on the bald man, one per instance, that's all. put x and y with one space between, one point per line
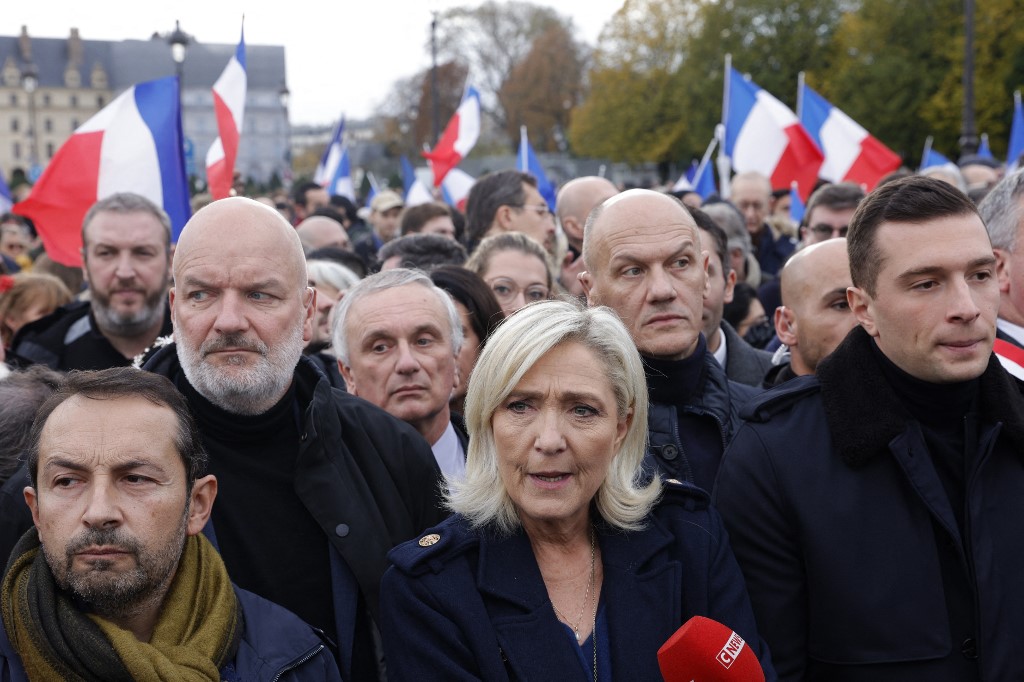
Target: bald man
814 316
752 194
315 485
317 232
645 260
575 201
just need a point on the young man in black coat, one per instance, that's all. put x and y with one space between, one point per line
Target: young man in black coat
874 508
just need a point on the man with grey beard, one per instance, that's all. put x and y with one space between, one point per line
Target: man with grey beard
315 485
126 255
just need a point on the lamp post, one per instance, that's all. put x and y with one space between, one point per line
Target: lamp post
178 40
284 96
968 131
434 115
30 81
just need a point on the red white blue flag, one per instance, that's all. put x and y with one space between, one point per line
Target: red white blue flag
331 158
229 105
134 144
852 154
458 138
764 135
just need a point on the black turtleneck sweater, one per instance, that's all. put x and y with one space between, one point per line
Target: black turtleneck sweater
270 542
680 383
949 422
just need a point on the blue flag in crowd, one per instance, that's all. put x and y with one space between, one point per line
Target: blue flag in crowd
796 206
984 151
528 162
6 201
1016 147
408 175
933 158
704 180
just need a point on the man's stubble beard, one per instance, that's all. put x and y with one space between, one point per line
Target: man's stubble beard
114 596
251 391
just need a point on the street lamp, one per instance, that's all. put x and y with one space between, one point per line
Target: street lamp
178 41
30 81
284 96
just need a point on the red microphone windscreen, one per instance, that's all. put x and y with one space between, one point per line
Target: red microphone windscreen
704 650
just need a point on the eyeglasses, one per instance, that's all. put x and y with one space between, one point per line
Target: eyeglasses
541 209
823 231
505 290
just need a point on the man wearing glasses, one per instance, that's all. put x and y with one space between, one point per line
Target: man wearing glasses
829 211
508 201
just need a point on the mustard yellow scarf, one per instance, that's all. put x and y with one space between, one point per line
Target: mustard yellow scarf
197 633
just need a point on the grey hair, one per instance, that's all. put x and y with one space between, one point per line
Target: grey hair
731 221
390 279
329 272
625 497
128 202
1001 211
947 172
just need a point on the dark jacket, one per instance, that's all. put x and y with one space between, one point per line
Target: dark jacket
67 339
474 606
368 479
851 549
744 364
275 645
718 399
773 251
778 375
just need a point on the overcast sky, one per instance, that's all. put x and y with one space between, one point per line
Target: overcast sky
342 56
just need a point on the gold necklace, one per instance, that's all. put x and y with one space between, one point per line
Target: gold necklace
586 596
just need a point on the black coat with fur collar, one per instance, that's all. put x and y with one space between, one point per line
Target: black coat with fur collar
856 566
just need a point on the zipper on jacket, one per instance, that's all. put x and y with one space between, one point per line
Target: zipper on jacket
295 664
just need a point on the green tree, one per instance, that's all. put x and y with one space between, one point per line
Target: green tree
998 71
656 85
633 112
889 59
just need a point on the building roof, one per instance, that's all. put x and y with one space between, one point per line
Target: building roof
127 62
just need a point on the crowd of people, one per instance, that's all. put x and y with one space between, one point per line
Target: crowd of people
312 441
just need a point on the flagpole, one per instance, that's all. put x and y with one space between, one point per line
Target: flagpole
707 156
524 163
800 83
724 163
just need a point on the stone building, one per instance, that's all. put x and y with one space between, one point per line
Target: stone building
70 79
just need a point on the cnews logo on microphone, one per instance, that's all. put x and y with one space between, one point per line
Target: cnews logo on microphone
727 656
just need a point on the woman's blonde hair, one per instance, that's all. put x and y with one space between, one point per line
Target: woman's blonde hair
624 499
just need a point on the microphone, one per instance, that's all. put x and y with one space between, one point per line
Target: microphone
704 650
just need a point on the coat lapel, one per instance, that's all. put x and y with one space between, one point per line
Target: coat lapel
642 598
532 641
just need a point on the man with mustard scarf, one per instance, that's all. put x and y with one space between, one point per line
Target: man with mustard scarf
115 581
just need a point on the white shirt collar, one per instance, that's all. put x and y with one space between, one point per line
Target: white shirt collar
449 454
723 352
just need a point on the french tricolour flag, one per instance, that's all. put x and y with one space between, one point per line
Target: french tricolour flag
852 154
229 105
527 162
341 184
458 137
328 166
456 186
762 134
133 144
414 191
